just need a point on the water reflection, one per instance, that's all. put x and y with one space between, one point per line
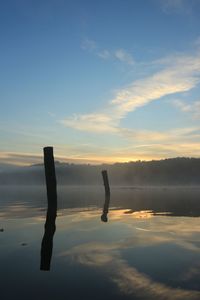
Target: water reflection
144 253
104 216
26 202
47 241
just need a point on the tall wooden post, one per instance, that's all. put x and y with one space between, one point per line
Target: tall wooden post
106 182
50 227
50 175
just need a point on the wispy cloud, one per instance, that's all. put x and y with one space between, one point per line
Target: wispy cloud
172 135
94 122
79 156
161 150
124 56
175 75
105 54
197 41
88 44
180 74
192 108
118 54
177 6
20 159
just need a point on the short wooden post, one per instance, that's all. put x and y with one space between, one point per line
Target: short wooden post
106 182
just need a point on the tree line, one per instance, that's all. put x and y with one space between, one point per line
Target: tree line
174 171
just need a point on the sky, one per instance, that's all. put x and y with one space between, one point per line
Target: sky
100 81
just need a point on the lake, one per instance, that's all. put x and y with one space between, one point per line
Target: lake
142 243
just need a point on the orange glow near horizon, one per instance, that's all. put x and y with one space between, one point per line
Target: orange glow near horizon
26 159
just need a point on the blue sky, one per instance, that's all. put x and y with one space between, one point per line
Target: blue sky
101 81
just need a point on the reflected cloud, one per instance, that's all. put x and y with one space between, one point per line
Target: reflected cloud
160 230
146 214
21 212
193 272
134 283
128 279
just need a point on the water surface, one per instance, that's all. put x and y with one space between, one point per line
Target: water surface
139 244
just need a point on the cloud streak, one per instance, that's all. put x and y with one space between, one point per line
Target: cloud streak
180 74
118 54
177 6
88 45
124 56
192 108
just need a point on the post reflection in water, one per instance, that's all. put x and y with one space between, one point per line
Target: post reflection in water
47 241
104 216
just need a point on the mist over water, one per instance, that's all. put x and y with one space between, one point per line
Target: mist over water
167 172
174 200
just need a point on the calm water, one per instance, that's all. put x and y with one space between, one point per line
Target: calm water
149 248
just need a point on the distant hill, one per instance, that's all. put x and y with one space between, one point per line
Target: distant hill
175 171
5 167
